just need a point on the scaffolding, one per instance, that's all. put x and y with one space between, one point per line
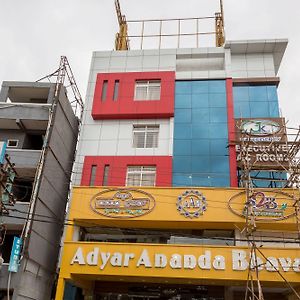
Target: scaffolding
285 151
64 78
161 35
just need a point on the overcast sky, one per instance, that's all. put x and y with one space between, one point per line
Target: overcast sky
34 33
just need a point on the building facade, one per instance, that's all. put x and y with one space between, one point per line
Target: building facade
157 212
42 151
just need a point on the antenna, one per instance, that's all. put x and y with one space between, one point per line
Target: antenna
121 42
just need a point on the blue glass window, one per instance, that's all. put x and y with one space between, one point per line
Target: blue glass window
200 154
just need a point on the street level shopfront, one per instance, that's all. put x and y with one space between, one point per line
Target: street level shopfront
176 243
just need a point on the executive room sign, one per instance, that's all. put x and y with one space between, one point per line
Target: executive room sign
122 203
262 142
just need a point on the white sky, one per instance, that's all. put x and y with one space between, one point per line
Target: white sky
34 33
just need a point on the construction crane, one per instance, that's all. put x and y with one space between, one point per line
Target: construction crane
220 31
122 41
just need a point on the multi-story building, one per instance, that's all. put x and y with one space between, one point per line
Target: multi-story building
40 130
157 212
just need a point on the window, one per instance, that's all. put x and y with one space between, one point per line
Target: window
93 175
12 143
140 176
104 90
105 175
116 90
147 90
145 136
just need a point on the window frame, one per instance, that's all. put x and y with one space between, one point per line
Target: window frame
116 90
141 172
148 84
104 90
147 130
93 175
12 140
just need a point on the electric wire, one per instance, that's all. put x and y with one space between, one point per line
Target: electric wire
163 232
93 224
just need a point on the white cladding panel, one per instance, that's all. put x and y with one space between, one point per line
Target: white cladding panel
252 65
115 137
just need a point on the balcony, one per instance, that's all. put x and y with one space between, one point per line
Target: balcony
17 214
24 116
24 159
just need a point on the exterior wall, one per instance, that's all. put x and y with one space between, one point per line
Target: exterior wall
38 267
124 107
115 137
252 65
202 63
13 135
118 168
246 59
200 134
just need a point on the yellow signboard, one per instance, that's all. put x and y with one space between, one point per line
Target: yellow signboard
207 208
174 261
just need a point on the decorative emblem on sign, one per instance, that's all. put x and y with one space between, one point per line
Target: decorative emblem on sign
122 203
191 204
260 127
267 205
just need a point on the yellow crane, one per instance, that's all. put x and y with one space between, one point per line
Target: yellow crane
219 23
121 42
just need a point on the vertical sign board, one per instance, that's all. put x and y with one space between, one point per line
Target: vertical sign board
15 255
2 151
264 141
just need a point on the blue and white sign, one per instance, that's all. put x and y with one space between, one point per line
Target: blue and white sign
2 151
15 255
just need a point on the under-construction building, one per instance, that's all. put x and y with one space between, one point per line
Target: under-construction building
186 173
40 129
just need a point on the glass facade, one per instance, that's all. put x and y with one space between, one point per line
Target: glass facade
258 102
255 101
200 156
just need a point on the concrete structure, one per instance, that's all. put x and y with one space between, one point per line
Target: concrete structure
166 118
24 116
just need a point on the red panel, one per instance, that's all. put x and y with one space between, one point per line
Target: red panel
118 167
125 107
231 134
